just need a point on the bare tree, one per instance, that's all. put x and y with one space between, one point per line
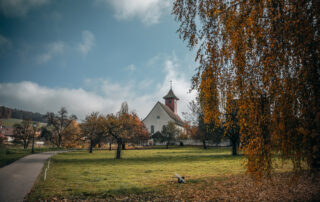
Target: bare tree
60 122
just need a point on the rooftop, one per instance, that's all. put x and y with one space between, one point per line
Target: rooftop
170 95
173 115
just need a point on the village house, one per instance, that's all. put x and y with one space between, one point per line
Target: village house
7 132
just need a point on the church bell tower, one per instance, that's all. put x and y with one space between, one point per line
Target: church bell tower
171 100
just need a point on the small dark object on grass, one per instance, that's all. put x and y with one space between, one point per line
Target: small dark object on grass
180 179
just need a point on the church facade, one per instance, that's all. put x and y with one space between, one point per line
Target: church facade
161 114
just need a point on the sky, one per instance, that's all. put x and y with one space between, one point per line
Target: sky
92 55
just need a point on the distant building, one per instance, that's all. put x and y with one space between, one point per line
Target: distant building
7 132
161 114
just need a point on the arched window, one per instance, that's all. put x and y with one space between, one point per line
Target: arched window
152 129
163 128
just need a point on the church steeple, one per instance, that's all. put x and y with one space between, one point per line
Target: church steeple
171 99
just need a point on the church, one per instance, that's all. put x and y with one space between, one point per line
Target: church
161 114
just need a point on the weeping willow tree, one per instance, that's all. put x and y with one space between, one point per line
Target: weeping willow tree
265 54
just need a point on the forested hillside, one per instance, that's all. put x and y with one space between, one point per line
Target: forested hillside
8 113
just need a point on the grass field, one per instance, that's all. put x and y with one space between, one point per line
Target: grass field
9 154
140 173
11 122
99 174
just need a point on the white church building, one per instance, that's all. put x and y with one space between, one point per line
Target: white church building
161 114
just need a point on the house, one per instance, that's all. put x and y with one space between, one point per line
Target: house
7 132
161 114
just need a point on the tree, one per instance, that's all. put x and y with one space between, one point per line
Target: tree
113 128
200 130
90 128
2 137
46 134
23 132
59 123
138 134
125 127
266 54
72 135
169 133
123 115
232 128
35 127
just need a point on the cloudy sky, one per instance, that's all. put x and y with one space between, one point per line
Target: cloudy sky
91 55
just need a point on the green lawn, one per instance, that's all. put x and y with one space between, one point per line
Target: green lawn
9 154
11 122
79 175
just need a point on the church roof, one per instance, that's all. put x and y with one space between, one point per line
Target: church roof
170 95
173 115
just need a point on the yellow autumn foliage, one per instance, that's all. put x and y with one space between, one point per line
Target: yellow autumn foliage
265 54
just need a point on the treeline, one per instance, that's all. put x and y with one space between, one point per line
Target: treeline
8 113
96 130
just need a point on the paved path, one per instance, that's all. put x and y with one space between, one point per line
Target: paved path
16 179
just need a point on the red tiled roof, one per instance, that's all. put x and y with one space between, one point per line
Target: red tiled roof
7 131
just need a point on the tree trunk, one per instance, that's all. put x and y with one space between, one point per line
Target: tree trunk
234 148
110 146
123 146
91 146
204 144
32 150
167 145
25 144
59 140
118 156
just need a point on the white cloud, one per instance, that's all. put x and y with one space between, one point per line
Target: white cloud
87 43
4 43
131 68
181 84
19 8
148 11
101 95
52 50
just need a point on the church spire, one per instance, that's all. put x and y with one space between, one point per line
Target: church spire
171 99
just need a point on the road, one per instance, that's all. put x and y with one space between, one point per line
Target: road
17 178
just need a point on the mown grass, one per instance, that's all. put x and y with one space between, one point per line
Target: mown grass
11 122
80 175
9 154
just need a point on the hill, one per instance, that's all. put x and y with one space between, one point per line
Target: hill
8 113
11 122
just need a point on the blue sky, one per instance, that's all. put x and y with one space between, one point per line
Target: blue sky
91 55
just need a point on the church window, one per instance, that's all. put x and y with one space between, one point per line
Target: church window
163 127
158 117
152 129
